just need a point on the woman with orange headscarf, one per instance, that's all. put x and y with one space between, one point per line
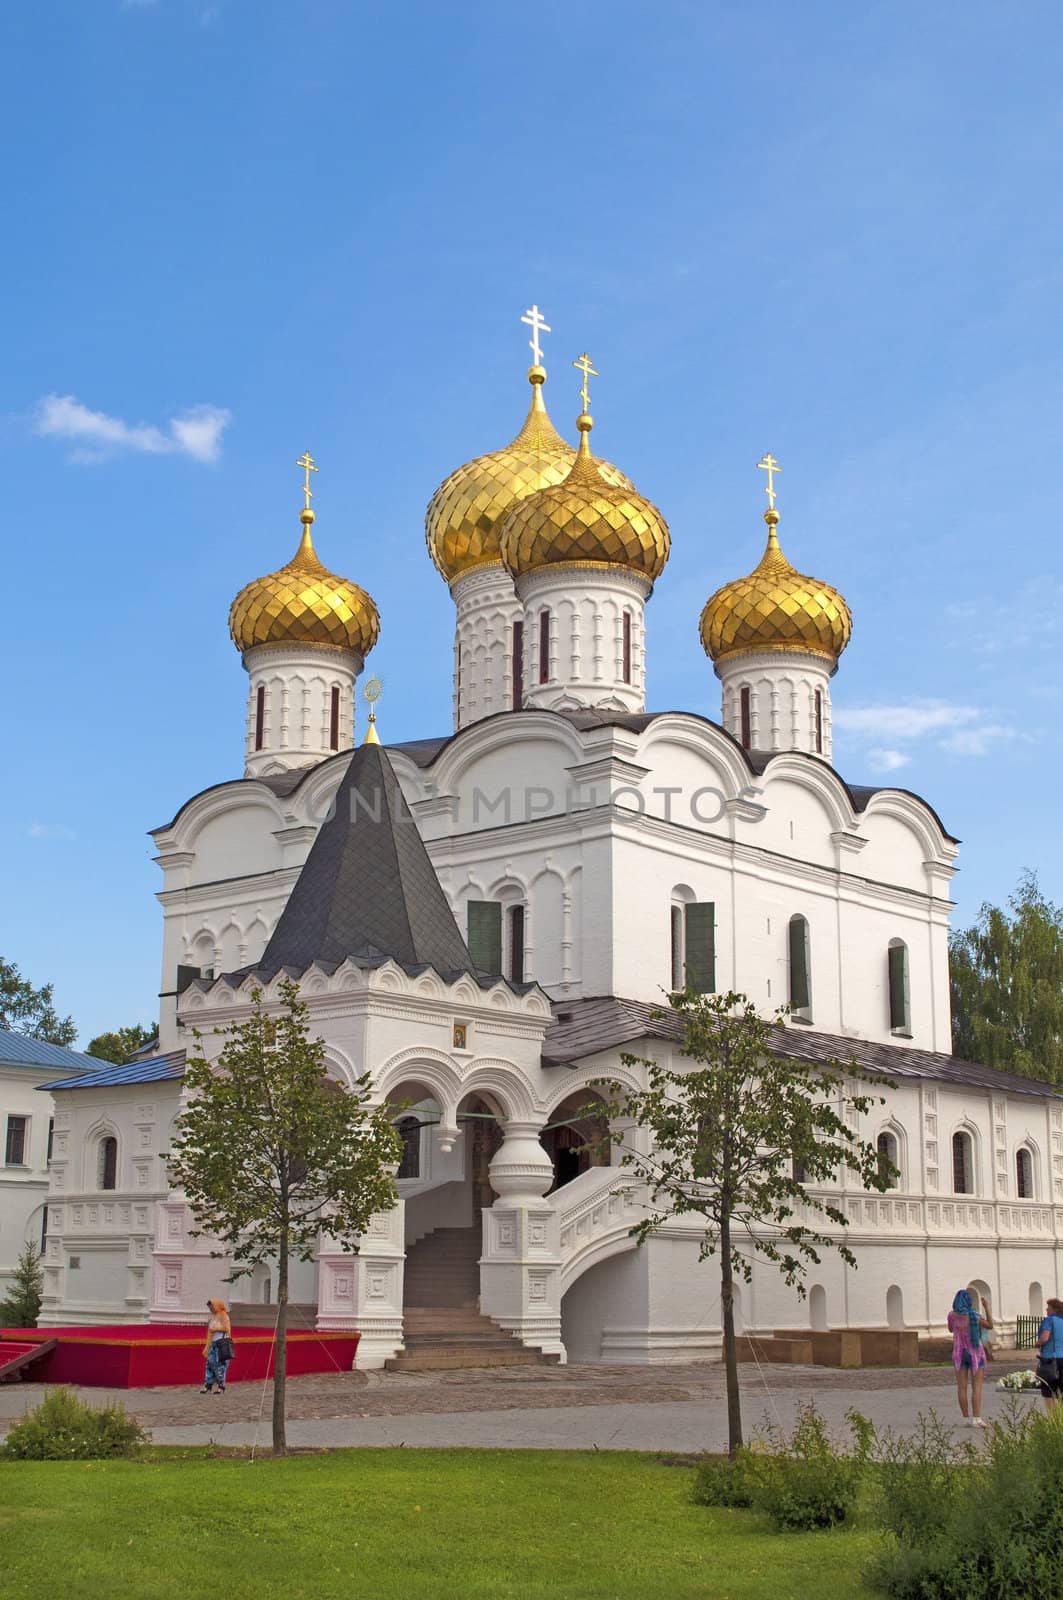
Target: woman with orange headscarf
218 1348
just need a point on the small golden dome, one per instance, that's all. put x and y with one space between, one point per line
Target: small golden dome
775 608
589 520
304 603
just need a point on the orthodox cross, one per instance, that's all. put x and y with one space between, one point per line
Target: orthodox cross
771 467
584 366
538 324
306 461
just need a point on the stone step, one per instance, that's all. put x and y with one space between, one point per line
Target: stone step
433 1359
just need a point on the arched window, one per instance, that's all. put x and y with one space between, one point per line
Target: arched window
962 1163
693 943
409 1131
1024 1186
260 716
895 1306
334 719
888 1157
817 1308
900 1006
518 666
627 646
544 646
800 970
745 702
107 1163
819 722
515 919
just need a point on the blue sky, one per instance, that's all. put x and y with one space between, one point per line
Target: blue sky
239 228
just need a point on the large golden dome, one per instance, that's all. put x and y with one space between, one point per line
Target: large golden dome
775 608
589 520
304 603
463 516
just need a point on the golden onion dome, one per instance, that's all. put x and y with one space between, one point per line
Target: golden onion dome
304 603
589 520
467 510
775 608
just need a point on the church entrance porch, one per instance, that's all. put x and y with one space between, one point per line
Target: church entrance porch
442 1323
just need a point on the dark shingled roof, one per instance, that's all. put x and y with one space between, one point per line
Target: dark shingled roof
367 888
157 1069
23 1050
582 1028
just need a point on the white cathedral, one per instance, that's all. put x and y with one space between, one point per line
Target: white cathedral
485 921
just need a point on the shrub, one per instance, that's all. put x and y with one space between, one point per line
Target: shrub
989 1529
23 1304
806 1481
63 1428
725 1480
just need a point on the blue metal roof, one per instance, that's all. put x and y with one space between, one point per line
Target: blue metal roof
22 1050
157 1069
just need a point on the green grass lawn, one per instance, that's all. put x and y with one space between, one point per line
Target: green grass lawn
398 1525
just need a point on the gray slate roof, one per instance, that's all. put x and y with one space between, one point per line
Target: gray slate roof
582 1028
157 1069
367 887
22 1050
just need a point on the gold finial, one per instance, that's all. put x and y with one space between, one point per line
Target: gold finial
306 461
584 366
371 694
771 467
538 324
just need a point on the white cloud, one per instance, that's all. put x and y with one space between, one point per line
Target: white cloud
196 432
960 730
887 760
50 830
913 721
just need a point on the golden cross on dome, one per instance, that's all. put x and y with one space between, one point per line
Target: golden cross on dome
538 324
771 467
306 461
584 366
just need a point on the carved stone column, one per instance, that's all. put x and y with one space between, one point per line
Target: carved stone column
364 1291
520 1268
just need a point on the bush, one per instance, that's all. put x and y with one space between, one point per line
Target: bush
63 1428
801 1481
978 1526
725 1481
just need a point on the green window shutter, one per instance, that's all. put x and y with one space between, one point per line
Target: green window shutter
898 966
799 986
701 947
485 935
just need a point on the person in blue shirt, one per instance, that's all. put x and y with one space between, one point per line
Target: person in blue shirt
1050 1339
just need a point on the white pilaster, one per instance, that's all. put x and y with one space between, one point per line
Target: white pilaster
585 663
487 608
783 687
297 687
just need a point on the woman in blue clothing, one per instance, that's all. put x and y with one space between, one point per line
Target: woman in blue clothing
1050 1339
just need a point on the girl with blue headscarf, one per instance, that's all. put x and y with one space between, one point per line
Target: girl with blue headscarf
968 1355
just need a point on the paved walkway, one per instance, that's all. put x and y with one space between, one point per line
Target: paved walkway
679 1408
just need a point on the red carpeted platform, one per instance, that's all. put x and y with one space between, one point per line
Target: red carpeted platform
147 1355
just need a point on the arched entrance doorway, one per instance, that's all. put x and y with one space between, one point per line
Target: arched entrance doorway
574 1140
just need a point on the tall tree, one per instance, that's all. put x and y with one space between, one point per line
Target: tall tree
270 1153
740 1136
1007 986
121 1044
30 1010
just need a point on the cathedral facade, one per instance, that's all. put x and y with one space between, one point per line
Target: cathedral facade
487 921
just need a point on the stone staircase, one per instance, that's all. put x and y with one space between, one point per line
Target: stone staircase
442 1326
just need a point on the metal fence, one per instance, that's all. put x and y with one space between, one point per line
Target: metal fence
1026 1332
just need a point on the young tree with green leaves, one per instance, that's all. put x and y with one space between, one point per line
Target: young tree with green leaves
23 1304
270 1153
1007 986
120 1045
29 1010
739 1136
